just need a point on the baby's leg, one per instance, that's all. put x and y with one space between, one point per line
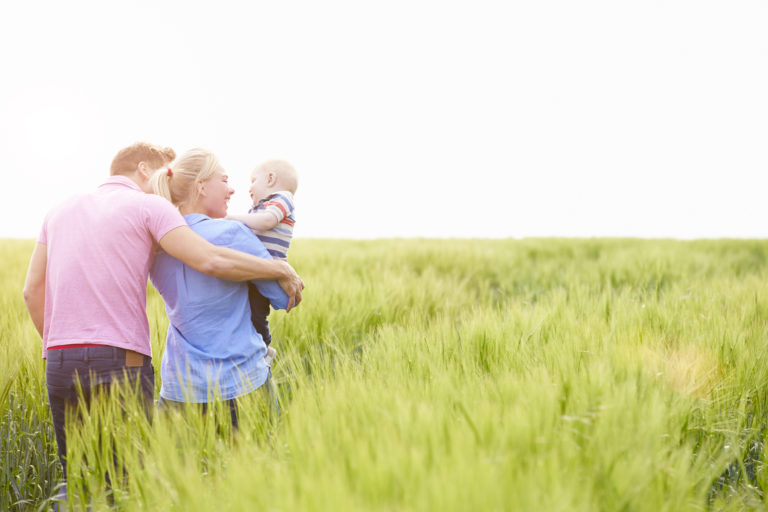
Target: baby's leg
260 320
259 313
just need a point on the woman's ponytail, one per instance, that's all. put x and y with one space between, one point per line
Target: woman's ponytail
177 183
161 183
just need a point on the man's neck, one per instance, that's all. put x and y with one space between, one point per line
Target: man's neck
137 178
134 177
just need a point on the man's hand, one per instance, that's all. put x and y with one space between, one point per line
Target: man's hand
292 284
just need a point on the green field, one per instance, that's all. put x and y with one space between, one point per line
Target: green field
542 374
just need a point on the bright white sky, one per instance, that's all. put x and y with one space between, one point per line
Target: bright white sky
407 118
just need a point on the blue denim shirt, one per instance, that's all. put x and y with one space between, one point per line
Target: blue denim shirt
212 349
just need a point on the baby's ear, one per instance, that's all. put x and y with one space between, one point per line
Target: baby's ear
271 178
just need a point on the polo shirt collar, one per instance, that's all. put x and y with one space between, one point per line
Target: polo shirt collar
121 181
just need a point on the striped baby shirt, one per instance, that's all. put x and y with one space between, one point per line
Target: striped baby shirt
278 239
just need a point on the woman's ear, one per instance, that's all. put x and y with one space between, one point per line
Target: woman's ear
200 188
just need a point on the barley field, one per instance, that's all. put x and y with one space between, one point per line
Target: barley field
537 374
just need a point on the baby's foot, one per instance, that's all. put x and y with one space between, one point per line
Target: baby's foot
271 352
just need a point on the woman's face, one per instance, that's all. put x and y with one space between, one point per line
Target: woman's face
214 195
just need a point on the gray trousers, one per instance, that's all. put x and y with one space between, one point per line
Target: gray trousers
94 368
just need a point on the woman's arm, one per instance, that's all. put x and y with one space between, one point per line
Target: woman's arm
184 244
34 286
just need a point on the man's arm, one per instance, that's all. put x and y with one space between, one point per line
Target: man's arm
262 220
184 244
34 286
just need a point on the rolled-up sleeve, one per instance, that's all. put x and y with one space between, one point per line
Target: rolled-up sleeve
244 240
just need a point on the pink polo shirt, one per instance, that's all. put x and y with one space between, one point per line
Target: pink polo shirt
100 248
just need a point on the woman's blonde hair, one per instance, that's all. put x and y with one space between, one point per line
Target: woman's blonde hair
177 183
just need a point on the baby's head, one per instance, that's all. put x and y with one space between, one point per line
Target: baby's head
270 176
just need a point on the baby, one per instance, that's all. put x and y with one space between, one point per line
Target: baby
273 184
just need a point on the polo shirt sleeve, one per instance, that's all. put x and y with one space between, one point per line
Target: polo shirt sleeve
280 205
244 240
160 216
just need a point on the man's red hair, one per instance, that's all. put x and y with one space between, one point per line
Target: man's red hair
127 159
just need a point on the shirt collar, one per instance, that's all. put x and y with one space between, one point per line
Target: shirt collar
195 218
121 181
269 198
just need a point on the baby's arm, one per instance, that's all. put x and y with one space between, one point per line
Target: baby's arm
260 221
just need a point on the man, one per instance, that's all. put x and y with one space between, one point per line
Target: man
86 285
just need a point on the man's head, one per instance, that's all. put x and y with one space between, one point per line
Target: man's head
139 161
271 176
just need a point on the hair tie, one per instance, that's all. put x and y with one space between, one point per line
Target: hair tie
170 172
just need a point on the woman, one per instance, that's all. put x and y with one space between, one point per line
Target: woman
212 350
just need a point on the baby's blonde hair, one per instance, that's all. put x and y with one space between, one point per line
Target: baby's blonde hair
177 183
287 177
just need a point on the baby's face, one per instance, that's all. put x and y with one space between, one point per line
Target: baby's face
258 188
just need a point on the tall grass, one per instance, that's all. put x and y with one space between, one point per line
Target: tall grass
443 374
27 444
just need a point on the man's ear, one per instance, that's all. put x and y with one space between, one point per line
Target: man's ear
143 168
